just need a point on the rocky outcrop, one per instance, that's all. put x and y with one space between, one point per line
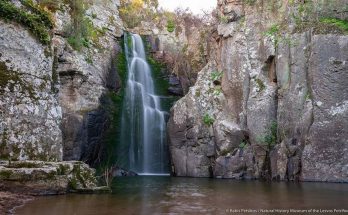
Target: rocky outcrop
51 95
281 109
47 178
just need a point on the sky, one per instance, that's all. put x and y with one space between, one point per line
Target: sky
196 6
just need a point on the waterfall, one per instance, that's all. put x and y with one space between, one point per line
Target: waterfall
143 126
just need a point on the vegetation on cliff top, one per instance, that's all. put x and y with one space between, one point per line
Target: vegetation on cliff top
38 20
133 12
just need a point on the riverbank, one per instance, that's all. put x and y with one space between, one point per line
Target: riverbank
9 201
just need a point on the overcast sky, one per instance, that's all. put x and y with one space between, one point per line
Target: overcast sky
195 5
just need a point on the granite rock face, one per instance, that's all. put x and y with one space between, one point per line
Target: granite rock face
30 115
281 112
325 156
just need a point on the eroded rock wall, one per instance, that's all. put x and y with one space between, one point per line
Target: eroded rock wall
281 112
85 77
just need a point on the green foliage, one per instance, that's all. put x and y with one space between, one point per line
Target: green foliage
51 5
270 138
223 19
308 95
273 33
260 84
37 22
81 33
133 12
339 23
208 120
44 16
243 144
170 26
217 91
216 75
250 2
273 30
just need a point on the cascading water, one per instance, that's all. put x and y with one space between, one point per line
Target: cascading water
143 121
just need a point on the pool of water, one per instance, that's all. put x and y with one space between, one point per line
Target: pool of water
169 195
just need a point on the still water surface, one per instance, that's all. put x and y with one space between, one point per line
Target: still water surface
169 195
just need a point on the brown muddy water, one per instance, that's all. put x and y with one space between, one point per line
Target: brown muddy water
169 195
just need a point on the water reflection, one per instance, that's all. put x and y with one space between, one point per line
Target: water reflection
166 195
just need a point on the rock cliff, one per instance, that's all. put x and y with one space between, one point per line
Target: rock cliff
272 102
51 94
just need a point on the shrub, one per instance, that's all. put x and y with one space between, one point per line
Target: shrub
208 120
81 33
270 138
133 12
216 75
260 85
170 26
43 15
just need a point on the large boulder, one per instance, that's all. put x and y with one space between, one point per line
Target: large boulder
46 178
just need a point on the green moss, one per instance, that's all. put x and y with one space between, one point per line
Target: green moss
5 174
36 22
260 84
208 120
249 2
3 145
114 108
161 84
55 75
62 169
160 78
24 165
198 93
339 23
243 144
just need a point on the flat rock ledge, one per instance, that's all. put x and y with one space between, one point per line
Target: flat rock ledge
48 178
